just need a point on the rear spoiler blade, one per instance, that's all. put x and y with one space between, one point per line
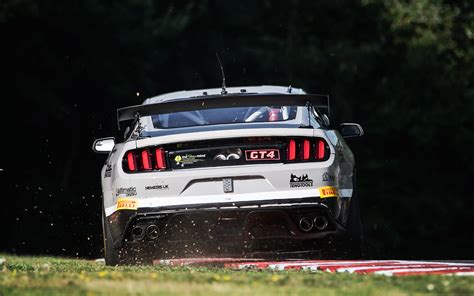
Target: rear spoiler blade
222 101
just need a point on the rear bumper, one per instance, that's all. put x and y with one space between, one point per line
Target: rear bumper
226 228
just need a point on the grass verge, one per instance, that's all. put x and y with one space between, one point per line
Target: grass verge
61 276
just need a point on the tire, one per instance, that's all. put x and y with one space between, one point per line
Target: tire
111 255
348 245
355 233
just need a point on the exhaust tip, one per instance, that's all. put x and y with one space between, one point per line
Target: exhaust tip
138 233
233 156
220 157
306 224
152 232
321 222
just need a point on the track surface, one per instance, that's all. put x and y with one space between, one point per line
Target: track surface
382 267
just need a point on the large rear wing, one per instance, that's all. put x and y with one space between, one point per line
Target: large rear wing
223 101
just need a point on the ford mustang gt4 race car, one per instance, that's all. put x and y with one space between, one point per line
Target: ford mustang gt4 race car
248 172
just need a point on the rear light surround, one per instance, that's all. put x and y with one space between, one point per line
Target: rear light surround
145 160
291 150
307 150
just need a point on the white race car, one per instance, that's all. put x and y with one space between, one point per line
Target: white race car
242 171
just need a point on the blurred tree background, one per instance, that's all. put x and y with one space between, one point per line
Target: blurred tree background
402 69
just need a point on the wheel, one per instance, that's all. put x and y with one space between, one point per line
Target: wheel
111 255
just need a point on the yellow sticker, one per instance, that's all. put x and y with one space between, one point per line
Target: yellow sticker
327 191
178 158
126 203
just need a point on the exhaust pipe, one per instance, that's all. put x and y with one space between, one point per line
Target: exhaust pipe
321 222
306 224
220 157
138 233
152 232
233 153
233 156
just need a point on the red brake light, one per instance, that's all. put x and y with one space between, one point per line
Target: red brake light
320 149
132 166
160 158
146 161
291 150
306 149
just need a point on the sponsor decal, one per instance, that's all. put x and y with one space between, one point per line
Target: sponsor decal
189 158
130 191
108 166
108 171
110 155
303 181
328 177
157 187
127 203
262 154
327 191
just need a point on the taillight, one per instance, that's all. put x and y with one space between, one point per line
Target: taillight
307 149
321 147
141 160
131 160
291 150
160 158
146 161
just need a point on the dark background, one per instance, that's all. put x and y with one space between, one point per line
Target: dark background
402 69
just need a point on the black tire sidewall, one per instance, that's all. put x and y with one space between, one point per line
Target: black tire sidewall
354 228
110 254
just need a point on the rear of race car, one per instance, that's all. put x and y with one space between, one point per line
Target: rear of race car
249 189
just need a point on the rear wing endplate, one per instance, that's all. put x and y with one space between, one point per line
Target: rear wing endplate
222 101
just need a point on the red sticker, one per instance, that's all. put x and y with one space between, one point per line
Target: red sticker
262 154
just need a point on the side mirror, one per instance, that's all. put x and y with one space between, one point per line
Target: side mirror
351 130
103 145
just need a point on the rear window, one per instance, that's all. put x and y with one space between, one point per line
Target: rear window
224 116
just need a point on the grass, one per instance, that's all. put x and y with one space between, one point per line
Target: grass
60 276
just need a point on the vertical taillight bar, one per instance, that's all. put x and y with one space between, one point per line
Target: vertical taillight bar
146 161
160 158
306 149
320 149
291 150
132 165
